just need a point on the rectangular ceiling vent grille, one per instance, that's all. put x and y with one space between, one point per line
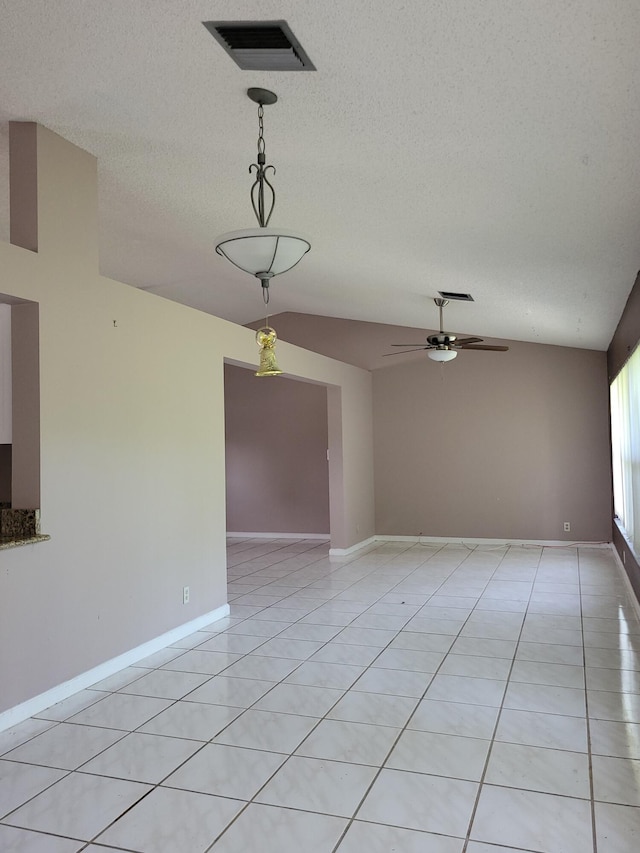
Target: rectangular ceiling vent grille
461 297
261 45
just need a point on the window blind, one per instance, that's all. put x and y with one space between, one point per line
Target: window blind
625 448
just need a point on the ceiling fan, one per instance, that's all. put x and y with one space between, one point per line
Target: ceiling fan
444 346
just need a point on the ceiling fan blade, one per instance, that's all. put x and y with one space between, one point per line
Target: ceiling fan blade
463 341
406 345
484 347
385 354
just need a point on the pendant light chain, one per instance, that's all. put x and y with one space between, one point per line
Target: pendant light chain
258 189
261 134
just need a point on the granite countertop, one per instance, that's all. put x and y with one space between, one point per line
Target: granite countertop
15 541
20 527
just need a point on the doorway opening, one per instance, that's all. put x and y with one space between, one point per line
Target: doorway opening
277 473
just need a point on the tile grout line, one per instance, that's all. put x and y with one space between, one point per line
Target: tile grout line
323 718
256 793
481 782
344 693
421 698
320 720
592 803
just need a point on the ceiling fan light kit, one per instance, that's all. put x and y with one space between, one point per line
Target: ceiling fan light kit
442 354
263 252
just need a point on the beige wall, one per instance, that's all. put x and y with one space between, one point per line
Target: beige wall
132 447
498 445
276 454
350 437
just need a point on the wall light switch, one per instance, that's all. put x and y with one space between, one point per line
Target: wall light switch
185 594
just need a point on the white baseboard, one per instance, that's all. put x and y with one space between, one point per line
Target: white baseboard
468 540
17 714
627 582
278 536
344 552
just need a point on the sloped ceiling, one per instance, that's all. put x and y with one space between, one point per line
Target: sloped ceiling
368 345
487 147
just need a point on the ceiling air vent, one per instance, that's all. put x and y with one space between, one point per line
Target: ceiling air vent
461 297
261 45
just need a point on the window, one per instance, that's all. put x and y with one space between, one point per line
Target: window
625 448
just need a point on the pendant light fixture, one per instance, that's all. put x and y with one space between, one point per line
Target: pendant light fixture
266 339
263 252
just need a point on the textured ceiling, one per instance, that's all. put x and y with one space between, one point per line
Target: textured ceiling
488 147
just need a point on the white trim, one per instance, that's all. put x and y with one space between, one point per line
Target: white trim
278 535
344 552
627 581
623 533
27 709
443 540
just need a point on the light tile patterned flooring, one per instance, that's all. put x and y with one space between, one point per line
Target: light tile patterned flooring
413 698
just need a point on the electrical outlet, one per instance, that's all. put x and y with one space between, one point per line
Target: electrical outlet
567 527
185 594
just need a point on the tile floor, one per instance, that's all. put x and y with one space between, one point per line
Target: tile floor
413 698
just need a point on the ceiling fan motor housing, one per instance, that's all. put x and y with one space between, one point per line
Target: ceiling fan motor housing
441 339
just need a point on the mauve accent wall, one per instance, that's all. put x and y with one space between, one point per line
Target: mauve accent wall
624 341
497 445
491 445
276 454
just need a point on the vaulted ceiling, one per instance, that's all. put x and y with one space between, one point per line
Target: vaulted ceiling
486 147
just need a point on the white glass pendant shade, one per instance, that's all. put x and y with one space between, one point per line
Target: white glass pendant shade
442 354
263 252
